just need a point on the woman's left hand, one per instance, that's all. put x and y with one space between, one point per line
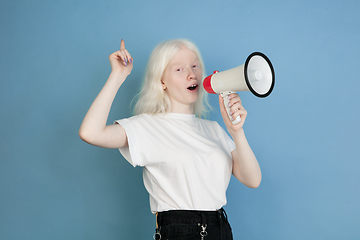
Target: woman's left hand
236 109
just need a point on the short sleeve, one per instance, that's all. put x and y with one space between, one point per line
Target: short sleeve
130 152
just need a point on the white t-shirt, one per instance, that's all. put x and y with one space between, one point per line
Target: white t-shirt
187 161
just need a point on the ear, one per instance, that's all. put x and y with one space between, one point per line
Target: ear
163 84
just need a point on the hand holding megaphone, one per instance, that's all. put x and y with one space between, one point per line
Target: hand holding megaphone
225 96
256 75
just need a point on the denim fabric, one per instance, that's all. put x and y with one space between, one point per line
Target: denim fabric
193 225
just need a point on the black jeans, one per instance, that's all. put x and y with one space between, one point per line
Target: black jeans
193 225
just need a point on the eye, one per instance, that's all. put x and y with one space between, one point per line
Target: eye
196 66
179 69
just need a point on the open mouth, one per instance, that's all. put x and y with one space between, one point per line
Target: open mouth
193 87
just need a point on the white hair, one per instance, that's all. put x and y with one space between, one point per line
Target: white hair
152 97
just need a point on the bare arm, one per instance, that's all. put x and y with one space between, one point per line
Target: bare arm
93 129
245 165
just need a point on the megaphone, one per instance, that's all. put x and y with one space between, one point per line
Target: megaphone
256 75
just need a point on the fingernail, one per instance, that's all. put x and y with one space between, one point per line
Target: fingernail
229 105
230 113
131 60
229 97
125 64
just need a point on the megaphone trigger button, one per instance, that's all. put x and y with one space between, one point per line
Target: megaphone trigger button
216 71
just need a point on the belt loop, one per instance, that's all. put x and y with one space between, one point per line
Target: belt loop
158 220
203 218
219 215
224 213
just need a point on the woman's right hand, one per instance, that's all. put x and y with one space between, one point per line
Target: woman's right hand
121 61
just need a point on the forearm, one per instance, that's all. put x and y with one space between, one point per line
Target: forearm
246 167
96 118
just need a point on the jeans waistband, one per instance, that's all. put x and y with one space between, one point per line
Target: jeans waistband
191 217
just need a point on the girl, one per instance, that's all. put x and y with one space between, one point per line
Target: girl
187 161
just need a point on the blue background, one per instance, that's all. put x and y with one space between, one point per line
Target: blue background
54 61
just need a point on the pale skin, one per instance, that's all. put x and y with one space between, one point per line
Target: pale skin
183 70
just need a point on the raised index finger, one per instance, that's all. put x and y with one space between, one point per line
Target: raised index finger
122 45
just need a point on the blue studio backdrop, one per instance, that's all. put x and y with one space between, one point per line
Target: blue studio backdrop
54 61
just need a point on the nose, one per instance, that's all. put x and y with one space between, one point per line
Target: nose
191 74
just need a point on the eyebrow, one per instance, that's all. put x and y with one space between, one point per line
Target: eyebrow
194 61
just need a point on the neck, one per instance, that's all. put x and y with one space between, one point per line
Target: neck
180 108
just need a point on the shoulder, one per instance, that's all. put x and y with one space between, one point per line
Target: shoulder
133 119
209 122
142 122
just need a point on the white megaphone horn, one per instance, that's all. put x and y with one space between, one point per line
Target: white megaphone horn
256 75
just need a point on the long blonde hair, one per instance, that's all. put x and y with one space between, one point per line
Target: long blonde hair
152 97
